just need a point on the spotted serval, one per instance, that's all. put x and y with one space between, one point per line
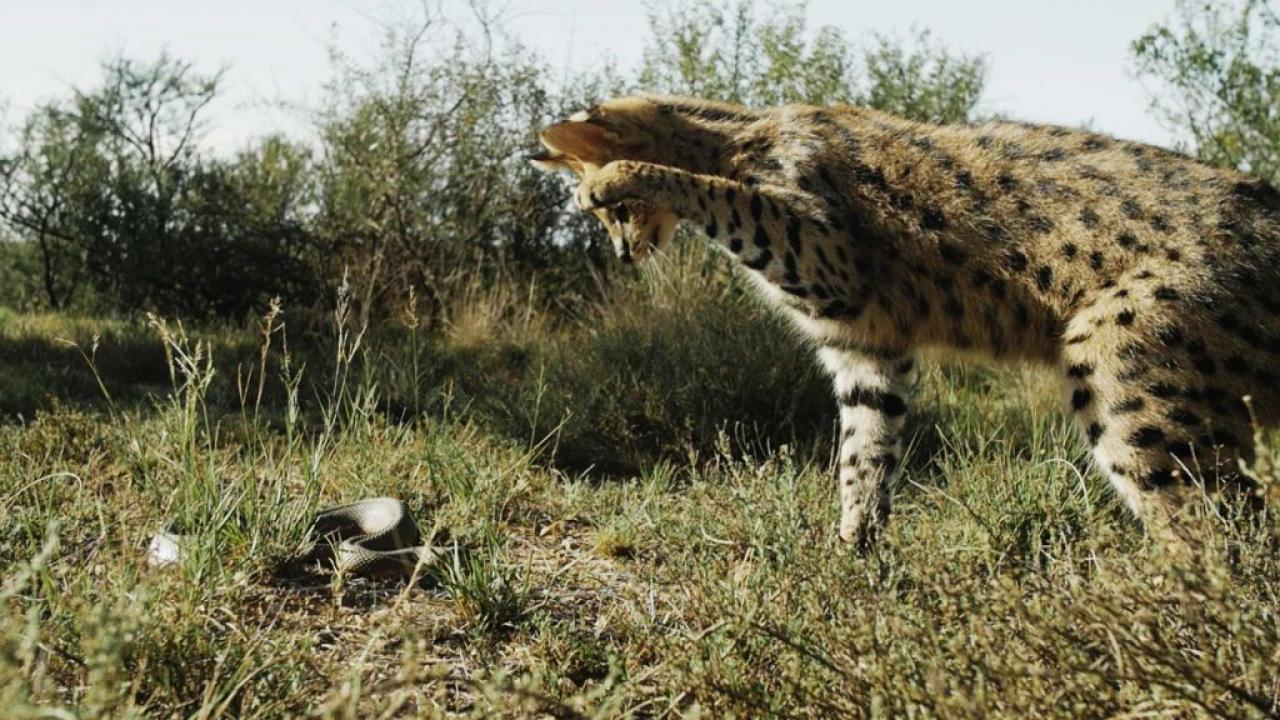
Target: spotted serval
1151 281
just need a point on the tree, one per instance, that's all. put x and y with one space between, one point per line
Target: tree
39 185
111 186
1219 70
729 52
426 181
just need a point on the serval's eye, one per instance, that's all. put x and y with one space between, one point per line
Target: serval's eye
621 214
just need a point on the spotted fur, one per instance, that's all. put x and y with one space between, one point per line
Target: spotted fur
1151 281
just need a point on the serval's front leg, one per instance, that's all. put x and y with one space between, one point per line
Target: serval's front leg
774 232
780 236
872 393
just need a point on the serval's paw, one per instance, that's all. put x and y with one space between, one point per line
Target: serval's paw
614 183
860 531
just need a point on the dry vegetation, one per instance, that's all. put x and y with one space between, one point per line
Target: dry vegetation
642 508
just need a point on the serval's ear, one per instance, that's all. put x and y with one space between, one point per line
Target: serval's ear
552 161
589 142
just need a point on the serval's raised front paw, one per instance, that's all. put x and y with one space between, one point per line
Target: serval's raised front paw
614 183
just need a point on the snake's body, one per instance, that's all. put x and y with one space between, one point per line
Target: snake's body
374 537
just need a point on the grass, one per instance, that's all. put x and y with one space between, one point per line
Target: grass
644 512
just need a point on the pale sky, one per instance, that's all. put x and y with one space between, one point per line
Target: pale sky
1059 61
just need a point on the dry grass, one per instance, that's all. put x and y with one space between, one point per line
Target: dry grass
698 578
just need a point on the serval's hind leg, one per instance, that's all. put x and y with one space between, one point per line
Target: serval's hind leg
1158 431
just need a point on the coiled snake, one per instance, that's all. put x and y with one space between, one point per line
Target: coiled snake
374 537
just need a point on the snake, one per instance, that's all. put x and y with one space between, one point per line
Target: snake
375 537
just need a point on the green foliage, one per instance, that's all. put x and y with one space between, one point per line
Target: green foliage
45 184
728 51
1220 65
1009 584
113 191
922 80
425 176
19 275
419 179
666 367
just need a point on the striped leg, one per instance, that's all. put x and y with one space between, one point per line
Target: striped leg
873 408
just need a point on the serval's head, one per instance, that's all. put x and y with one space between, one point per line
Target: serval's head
621 129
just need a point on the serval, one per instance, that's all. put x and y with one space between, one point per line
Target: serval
1149 280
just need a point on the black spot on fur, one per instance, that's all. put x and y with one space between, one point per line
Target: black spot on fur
1012 151
1079 371
1017 260
1080 399
1164 391
1041 224
1146 436
1095 433
761 237
1183 416
994 231
951 254
1095 260
1006 181
735 245
793 234
1125 318
1170 335
1133 404
891 404
1158 479
1044 277
1131 209
932 218
840 309
1165 293
867 175
1069 250
889 462
1258 191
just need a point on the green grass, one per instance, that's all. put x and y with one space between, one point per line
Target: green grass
644 513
